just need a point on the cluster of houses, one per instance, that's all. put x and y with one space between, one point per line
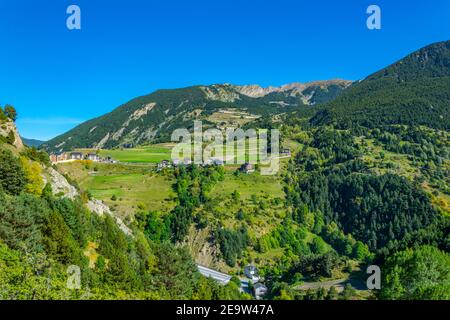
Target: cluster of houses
166 164
259 289
246 168
177 162
74 156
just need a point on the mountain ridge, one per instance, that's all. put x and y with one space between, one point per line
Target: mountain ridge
32 142
151 118
255 90
413 91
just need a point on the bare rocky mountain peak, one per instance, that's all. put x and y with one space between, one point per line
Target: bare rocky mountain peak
257 91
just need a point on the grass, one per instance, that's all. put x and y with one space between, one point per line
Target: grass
256 198
134 187
156 153
250 184
148 191
261 213
148 154
138 155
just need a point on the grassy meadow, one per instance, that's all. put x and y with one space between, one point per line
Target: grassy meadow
125 188
146 154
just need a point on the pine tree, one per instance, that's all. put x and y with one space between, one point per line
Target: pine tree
12 175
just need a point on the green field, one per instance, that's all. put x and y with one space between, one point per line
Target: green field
133 187
148 191
156 153
250 184
153 154
147 154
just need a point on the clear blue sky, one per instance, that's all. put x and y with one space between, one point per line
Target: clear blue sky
57 78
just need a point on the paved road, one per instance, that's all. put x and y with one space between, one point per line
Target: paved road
216 275
222 278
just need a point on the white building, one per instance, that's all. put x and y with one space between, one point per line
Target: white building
93 157
260 291
76 156
251 272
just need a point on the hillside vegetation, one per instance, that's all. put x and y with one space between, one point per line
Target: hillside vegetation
45 238
413 91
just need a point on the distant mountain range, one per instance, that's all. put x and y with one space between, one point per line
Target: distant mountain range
32 142
414 91
153 117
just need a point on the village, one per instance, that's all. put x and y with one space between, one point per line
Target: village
64 157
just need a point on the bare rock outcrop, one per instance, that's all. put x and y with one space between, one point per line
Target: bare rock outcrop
60 185
296 88
6 128
101 209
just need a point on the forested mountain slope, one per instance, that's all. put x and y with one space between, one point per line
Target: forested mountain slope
412 91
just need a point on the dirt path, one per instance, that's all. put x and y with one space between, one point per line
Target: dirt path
339 284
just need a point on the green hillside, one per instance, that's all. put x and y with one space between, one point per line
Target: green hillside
412 91
32 142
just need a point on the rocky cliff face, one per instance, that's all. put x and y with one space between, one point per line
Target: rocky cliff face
101 209
60 185
8 127
296 88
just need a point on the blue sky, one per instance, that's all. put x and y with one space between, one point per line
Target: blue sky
57 78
